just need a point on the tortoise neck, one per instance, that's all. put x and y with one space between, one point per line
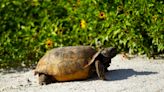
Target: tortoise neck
104 59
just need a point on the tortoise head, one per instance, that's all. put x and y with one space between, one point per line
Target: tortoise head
109 52
106 55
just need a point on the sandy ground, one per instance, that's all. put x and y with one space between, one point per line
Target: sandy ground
138 74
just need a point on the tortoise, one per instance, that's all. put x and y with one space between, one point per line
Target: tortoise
73 63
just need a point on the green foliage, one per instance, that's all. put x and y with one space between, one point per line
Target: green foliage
28 28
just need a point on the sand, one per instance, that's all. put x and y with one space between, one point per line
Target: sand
138 74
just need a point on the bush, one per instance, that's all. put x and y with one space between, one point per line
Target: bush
28 28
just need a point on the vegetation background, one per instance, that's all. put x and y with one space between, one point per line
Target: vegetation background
28 28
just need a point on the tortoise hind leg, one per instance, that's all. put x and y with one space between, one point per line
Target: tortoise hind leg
100 70
45 79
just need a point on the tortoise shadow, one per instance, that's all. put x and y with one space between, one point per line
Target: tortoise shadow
118 74
121 74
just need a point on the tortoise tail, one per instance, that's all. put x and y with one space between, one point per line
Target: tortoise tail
36 72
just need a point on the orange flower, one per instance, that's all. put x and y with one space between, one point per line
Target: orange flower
78 2
102 15
83 24
49 43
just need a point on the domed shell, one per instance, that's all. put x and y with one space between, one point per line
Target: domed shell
67 63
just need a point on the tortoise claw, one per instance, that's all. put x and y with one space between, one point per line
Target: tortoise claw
100 70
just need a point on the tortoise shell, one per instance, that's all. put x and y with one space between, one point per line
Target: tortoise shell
67 63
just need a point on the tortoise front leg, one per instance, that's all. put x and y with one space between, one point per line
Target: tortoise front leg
44 79
106 65
100 70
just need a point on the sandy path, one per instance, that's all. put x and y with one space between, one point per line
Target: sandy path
135 75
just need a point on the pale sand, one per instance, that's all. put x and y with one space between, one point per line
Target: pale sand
138 74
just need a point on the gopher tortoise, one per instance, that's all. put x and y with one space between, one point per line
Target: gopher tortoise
73 63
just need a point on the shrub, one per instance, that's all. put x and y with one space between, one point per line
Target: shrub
28 28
